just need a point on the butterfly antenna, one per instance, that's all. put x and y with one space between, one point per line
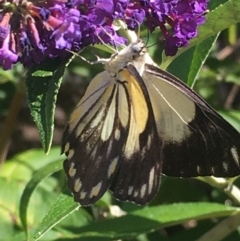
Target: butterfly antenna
148 37
99 60
149 46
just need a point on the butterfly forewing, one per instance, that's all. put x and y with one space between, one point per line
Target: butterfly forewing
196 140
112 140
95 137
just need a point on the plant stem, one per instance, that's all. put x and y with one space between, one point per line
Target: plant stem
223 229
225 185
10 121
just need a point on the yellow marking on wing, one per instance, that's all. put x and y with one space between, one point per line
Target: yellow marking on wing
117 134
151 180
140 108
77 185
130 190
132 143
143 190
123 107
70 153
109 149
225 166
72 170
235 154
109 120
112 166
82 195
98 118
66 147
149 141
96 189
135 193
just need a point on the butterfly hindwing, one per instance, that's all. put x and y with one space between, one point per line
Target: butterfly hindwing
138 176
197 141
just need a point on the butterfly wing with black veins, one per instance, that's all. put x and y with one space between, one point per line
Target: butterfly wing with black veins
136 121
111 139
93 141
138 176
197 141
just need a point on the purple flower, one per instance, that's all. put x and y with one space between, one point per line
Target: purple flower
31 31
182 15
7 56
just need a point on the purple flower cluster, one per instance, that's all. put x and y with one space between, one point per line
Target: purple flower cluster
30 31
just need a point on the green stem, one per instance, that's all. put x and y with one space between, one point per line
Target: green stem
222 229
224 185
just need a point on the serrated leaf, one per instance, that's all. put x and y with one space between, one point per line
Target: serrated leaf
43 82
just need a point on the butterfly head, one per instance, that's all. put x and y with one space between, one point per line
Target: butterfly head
135 53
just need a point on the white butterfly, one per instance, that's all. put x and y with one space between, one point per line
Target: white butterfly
137 121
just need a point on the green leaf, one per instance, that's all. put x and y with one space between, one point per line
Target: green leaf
231 116
19 237
9 196
23 165
201 53
187 66
150 219
220 18
11 191
30 187
180 67
43 82
63 207
145 220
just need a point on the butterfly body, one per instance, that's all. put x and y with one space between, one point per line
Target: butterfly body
135 122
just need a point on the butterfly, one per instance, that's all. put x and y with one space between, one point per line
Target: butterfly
134 123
